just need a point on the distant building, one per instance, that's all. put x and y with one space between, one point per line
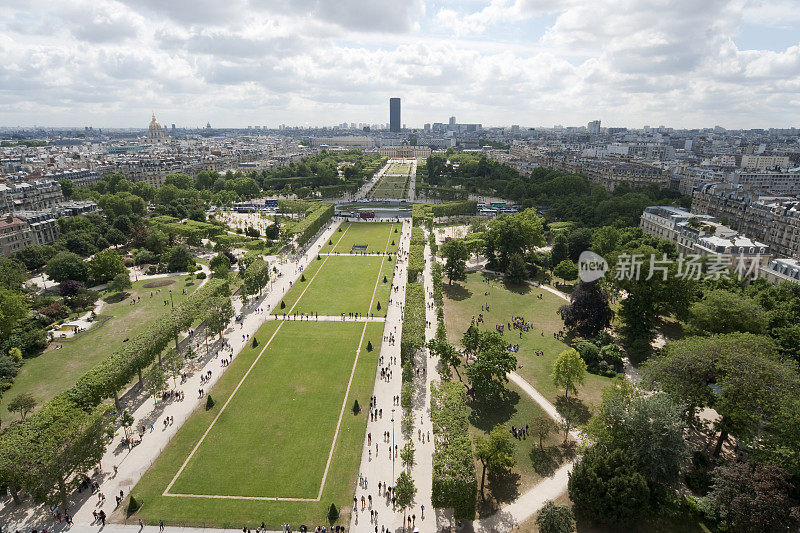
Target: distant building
780 269
394 114
404 151
155 134
593 126
703 235
452 121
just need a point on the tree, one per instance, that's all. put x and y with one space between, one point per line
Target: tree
105 265
649 429
67 265
179 258
210 403
496 453
155 381
722 311
569 371
566 270
447 354
606 487
115 236
489 365
220 265
517 271
219 315
23 404
560 249
541 427
41 453
172 363
455 253
554 518
510 234
407 455
12 274
740 375
13 308
126 420
70 287
120 283
751 497
578 240
404 492
588 312
67 187
333 514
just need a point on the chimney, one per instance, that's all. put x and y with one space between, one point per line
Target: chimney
10 219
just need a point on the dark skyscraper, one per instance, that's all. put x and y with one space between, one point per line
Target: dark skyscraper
394 114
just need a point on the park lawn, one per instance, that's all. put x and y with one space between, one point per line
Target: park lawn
315 408
391 186
464 299
532 464
54 371
336 285
376 236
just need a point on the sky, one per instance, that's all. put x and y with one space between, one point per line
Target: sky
234 63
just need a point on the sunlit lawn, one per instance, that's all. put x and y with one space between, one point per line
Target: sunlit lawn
55 371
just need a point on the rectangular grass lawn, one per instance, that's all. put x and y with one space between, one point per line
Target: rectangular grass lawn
283 415
335 285
274 437
376 236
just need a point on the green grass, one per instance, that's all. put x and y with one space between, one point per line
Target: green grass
336 285
274 436
532 464
464 299
391 186
377 236
55 371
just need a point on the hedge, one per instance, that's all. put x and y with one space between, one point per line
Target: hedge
436 273
110 375
413 334
417 235
454 480
466 207
309 226
422 214
416 261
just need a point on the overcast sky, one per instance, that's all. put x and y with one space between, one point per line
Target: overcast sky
681 63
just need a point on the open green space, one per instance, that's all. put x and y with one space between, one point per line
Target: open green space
335 285
57 369
285 413
532 463
376 236
394 186
398 168
463 300
274 437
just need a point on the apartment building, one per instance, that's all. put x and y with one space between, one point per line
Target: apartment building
763 162
14 235
774 220
787 182
702 235
31 195
781 269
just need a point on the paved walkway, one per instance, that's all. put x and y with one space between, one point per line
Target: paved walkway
131 464
327 318
423 469
379 463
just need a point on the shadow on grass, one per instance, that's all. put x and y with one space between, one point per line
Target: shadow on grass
504 486
115 297
546 460
521 289
486 414
575 408
456 292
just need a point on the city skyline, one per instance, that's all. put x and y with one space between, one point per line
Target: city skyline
735 63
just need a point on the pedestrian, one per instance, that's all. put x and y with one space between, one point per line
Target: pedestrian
160 526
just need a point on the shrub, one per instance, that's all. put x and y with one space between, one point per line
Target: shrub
133 505
209 403
283 304
302 277
255 342
378 307
356 407
201 275
333 512
369 346
385 280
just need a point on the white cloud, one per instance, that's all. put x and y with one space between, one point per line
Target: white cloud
109 62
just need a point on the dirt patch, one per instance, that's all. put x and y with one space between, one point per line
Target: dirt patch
158 283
